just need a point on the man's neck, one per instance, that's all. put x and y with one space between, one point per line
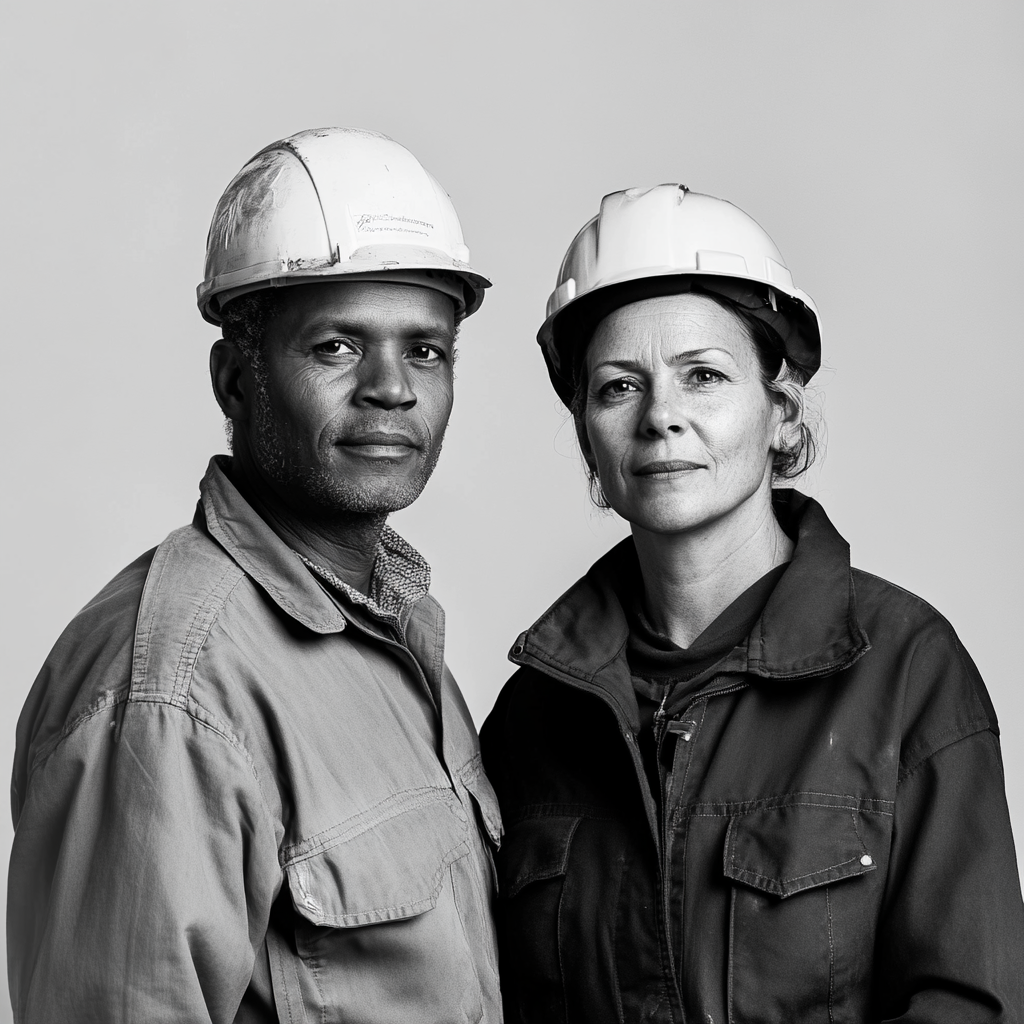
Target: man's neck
691 578
346 542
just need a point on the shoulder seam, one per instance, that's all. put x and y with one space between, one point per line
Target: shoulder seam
907 593
947 738
119 699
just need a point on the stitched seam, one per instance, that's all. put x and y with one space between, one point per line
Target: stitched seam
616 988
573 670
831 957
746 873
558 948
552 871
146 615
342 832
856 832
732 954
107 700
195 640
531 811
867 805
393 912
956 734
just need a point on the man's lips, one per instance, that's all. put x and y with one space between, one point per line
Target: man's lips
384 444
661 467
379 437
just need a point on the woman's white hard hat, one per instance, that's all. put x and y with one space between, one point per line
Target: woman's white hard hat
665 240
329 203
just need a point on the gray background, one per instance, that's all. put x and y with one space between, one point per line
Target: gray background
880 145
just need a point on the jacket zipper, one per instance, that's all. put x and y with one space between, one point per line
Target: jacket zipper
660 834
661 726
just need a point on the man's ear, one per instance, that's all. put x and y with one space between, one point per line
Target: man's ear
231 376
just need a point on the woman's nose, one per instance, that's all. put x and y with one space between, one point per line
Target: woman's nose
384 381
662 417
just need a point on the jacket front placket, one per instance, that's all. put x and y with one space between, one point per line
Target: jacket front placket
682 744
524 654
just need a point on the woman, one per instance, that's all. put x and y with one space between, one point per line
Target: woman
740 781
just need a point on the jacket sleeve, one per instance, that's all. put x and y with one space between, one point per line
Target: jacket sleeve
142 874
951 936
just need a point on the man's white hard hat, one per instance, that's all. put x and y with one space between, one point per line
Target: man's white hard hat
664 240
329 203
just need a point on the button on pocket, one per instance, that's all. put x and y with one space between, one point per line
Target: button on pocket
803 899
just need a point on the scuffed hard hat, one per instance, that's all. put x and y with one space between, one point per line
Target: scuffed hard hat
329 203
662 241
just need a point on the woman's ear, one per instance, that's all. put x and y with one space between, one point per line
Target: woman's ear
790 402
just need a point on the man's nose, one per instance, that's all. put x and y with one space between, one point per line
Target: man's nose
384 381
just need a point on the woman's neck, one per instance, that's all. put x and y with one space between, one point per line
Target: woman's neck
691 577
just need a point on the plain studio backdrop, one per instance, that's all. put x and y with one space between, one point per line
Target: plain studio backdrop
879 144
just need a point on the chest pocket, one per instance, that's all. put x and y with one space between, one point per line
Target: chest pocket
381 934
532 866
805 888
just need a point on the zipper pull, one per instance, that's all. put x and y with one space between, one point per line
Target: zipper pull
684 730
659 715
659 720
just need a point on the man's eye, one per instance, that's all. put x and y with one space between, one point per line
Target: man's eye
332 347
424 353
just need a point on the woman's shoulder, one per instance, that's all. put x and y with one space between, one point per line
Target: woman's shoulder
944 697
893 615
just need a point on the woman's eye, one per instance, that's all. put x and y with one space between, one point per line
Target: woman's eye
619 386
702 375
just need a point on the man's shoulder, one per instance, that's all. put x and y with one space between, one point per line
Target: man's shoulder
90 667
172 578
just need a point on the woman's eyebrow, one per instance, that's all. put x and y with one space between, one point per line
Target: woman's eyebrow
680 357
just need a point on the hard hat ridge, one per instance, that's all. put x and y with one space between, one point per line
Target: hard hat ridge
331 202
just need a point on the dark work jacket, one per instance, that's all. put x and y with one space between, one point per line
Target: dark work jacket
831 841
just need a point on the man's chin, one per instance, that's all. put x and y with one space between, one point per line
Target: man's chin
374 498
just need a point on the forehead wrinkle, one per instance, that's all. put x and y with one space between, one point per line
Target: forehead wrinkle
413 325
650 327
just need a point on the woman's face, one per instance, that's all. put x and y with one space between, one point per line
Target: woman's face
680 425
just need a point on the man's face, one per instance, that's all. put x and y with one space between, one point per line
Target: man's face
354 395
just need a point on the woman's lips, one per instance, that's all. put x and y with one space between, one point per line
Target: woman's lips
667 467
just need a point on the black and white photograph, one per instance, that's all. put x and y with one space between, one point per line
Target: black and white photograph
512 512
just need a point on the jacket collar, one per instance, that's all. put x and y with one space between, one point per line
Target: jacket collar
233 523
808 628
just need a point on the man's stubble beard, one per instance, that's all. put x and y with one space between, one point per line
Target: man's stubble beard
279 459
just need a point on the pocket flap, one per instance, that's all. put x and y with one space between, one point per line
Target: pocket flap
785 850
482 792
385 864
535 849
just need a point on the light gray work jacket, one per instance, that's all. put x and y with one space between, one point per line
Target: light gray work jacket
240 794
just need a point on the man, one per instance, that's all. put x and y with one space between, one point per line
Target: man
246 787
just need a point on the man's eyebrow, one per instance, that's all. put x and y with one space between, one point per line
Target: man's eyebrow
339 322
680 357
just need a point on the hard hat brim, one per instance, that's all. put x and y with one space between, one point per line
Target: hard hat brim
214 294
565 335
